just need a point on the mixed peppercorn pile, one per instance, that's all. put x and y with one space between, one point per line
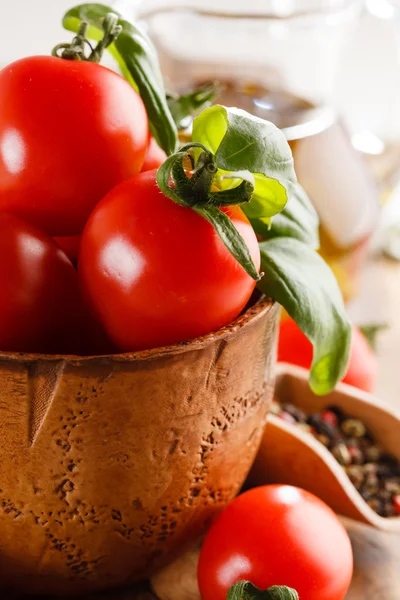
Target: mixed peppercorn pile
373 472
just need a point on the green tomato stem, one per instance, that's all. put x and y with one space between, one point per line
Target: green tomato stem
75 50
194 191
111 32
245 590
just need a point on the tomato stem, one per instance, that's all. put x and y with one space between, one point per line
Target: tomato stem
193 190
111 32
75 50
203 176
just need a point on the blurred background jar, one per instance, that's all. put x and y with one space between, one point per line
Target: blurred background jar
278 60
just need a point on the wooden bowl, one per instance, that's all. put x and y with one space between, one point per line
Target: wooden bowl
110 466
289 455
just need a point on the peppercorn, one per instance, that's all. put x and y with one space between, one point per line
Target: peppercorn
392 485
356 475
370 468
388 510
329 417
371 483
357 457
373 472
372 454
338 412
375 504
320 426
366 494
383 470
341 453
353 428
297 413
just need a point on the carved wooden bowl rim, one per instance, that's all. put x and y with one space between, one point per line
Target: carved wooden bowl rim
260 305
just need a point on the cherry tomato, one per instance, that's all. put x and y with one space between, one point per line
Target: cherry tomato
69 132
296 349
156 273
40 308
70 244
277 535
154 156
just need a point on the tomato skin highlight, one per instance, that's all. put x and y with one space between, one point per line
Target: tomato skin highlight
40 302
296 349
155 156
277 535
156 273
69 132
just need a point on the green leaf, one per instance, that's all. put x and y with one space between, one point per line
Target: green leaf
298 220
230 237
245 590
243 142
187 105
300 280
138 61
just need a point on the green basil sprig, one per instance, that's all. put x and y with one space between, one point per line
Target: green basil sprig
301 281
139 63
297 220
242 142
239 158
245 590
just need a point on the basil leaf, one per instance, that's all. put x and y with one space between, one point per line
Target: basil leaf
138 61
185 106
245 590
298 220
300 280
230 236
243 142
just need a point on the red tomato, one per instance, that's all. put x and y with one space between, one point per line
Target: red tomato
277 535
40 309
296 349
155 272
70 244
69 132
154 156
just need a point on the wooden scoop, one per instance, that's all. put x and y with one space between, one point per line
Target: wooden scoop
292 456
